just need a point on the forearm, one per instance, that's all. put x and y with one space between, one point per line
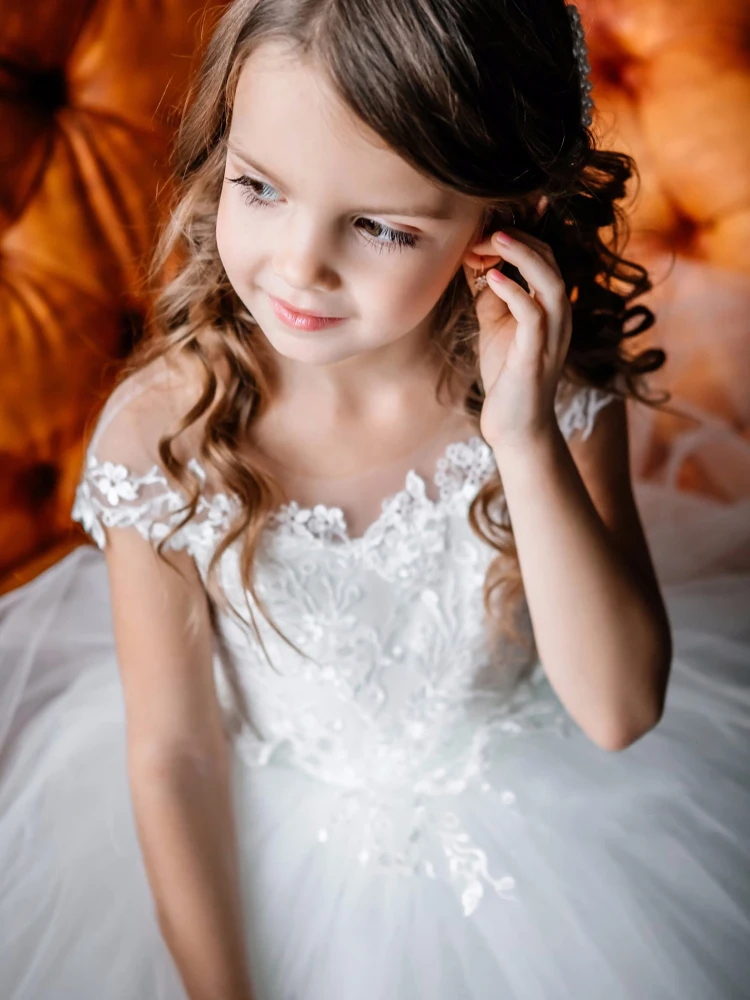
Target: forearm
604 647
185 821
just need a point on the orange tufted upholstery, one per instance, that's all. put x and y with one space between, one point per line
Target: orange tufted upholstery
86 100
672 88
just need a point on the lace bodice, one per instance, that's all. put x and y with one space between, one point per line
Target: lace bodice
403 689
392 620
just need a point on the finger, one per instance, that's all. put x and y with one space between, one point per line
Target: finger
555 312
539 245
491 312
543 279
488 247
557 303
531 334
485 245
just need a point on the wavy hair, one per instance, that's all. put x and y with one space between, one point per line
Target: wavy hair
481 96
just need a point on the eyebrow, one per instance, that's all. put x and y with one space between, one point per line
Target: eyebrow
412 211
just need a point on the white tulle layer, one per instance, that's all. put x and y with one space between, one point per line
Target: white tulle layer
632 869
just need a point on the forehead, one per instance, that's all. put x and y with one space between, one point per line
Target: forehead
287 116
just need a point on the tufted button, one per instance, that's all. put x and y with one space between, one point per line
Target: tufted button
684 233
38 483
48 89
130 332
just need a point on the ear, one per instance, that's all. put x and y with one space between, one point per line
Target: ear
482 261
473 261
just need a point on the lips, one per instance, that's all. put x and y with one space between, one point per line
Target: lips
298 320
302 312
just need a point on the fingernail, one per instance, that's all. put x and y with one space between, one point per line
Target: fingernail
502 238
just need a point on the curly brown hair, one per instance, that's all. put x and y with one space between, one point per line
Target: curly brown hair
480 96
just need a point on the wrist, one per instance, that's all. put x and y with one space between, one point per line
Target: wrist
528 448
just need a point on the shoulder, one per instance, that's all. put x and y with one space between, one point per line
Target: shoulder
602 458
140 410
122 481
593 419
578 407
594 422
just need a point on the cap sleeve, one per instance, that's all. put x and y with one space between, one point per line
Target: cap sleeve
123 485
577 407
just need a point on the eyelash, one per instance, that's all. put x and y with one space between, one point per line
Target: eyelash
397 239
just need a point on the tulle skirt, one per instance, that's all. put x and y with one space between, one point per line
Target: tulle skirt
570 873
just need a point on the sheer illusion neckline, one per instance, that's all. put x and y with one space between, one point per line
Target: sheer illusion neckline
460 462
112 494
374 470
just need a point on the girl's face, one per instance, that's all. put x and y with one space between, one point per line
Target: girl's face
316 211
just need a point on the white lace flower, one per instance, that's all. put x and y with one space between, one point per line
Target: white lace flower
114 483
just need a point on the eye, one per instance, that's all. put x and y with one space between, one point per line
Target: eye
392 238
248 194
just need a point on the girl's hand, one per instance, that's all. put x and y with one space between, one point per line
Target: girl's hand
523 338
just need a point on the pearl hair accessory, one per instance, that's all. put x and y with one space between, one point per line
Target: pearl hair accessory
584 68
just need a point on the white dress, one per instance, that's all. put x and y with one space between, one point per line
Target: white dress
418 817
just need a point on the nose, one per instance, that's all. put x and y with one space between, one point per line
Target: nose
302 258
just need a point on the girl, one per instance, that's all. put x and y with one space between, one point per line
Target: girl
366 693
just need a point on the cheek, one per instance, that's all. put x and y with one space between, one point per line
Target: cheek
230 239
415 287
223 241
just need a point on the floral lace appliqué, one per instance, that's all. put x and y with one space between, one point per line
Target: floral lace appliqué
110 495
460 470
